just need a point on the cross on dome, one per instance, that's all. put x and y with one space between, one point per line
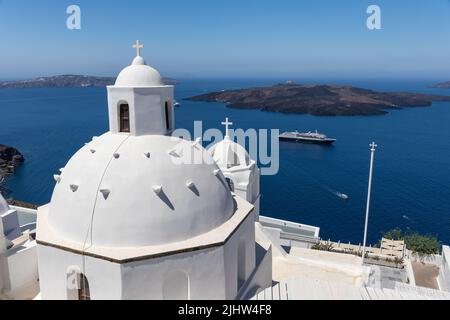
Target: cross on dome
227 124
138 46
373 145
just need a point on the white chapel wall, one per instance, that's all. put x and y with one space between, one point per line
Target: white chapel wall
103 276
149 279
244 235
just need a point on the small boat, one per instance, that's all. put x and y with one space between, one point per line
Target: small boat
343 196
309 137
176 104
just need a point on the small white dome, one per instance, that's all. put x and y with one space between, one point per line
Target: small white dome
138 74
229 154
3 205
122 190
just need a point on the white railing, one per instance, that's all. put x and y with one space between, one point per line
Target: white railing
291 230
25 215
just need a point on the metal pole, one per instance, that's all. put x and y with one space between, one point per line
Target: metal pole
369 191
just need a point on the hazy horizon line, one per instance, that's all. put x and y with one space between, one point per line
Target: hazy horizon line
251 77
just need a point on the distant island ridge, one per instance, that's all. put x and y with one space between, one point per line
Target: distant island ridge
67 81
289 97
319 99
442 85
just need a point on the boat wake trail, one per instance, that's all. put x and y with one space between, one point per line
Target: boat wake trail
338 194
406 217
323 186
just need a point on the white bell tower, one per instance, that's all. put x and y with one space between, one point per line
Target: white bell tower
139 103
240 171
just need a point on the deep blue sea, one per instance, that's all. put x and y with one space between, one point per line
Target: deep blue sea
411 186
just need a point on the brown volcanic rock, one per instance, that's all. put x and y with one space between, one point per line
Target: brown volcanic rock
10 158
320 100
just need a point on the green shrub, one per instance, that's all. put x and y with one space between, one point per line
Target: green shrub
394 234
328 246
422 245
398 260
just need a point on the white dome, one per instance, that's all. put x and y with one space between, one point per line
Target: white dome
138 74
3 205
122 190
229 154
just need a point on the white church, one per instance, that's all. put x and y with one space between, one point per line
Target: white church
127 221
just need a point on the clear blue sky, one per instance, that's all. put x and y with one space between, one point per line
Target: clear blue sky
228 38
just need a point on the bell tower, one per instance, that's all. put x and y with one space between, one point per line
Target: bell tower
139 103
240 171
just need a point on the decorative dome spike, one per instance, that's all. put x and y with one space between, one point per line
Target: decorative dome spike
57 178
197 142
105 193
157 189
174 153
190 184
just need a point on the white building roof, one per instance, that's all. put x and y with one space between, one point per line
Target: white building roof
120 254
229 154
123 190
138 74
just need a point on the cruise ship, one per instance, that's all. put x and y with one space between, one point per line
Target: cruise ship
309 137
